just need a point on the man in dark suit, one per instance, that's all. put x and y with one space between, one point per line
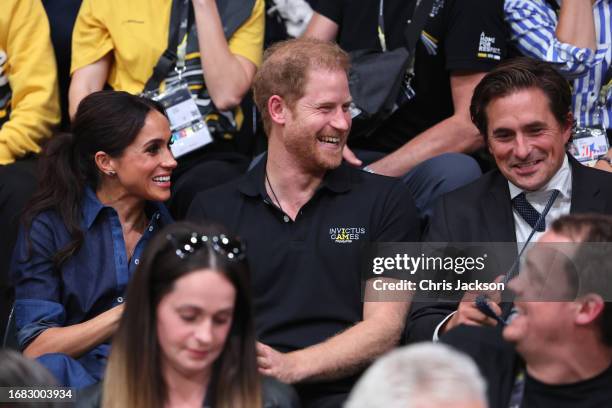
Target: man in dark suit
523 110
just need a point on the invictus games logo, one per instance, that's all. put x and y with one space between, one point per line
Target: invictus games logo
346 235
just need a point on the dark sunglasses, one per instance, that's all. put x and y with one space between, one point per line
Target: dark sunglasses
186 245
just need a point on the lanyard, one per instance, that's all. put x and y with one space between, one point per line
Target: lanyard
181 35
604 92
514 268
381 26
518 390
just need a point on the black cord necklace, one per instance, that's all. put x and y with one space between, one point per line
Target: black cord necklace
274 194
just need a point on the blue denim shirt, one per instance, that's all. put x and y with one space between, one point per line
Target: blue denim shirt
90 282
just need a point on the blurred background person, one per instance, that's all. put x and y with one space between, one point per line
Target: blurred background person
18 371
420 376
99 202
29 110
118 43
557 349
187 337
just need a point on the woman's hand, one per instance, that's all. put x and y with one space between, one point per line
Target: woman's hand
77 339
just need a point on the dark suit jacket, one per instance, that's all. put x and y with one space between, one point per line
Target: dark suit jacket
482 212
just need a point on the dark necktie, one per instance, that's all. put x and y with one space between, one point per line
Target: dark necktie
527 212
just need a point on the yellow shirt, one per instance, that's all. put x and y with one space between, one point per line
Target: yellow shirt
29 98
137 33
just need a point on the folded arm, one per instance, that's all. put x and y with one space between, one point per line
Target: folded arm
456 133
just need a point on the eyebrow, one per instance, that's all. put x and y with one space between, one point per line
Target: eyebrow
155 141
529 125
199 309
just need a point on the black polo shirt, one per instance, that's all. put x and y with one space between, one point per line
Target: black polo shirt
305 274
459 35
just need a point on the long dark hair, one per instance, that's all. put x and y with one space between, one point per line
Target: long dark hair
133 376
107 121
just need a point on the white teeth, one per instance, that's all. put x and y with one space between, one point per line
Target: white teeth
161 179
327 139
527 164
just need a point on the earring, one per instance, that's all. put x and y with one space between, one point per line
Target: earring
111 173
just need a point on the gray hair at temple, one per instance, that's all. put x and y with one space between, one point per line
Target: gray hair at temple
423 375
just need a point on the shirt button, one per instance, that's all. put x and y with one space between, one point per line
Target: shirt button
286 218
136 261
583 109
151 228
120 299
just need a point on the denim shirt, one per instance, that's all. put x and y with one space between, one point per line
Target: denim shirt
90 282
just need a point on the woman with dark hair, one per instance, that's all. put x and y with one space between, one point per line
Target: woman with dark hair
99 202
186 337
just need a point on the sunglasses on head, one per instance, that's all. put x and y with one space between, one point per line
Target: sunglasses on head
186 245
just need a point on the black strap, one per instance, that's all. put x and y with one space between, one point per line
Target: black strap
180 23
553 4
416 25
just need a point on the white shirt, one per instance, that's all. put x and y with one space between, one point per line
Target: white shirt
562 181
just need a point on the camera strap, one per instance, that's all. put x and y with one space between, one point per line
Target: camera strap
181 20
413 30
412 33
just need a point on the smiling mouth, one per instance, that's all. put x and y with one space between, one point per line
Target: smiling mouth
161 179
528 164
333 140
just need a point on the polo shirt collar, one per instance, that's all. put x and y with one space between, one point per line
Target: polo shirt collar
253 184
92 207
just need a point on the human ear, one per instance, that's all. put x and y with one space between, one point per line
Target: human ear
104 163
590 307
277 108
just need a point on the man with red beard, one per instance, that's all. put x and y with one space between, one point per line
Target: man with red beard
305 217
557 350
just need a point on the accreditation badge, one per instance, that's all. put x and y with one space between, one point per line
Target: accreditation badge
189 130
588 144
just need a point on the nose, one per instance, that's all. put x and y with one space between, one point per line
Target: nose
521 147
203 332
341 120
169 162
515 286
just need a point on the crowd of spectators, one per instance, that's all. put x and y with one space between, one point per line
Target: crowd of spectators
120 120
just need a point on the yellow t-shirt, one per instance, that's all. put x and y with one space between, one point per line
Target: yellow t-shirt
136 31
29 98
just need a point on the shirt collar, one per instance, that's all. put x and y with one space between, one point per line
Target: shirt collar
562 181
253 184
92 207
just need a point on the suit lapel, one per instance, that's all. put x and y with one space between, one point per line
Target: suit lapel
498 219
584 191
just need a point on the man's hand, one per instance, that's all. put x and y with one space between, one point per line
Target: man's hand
349 156
468 313
604 164
281 366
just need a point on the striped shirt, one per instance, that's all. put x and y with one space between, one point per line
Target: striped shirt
533 23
